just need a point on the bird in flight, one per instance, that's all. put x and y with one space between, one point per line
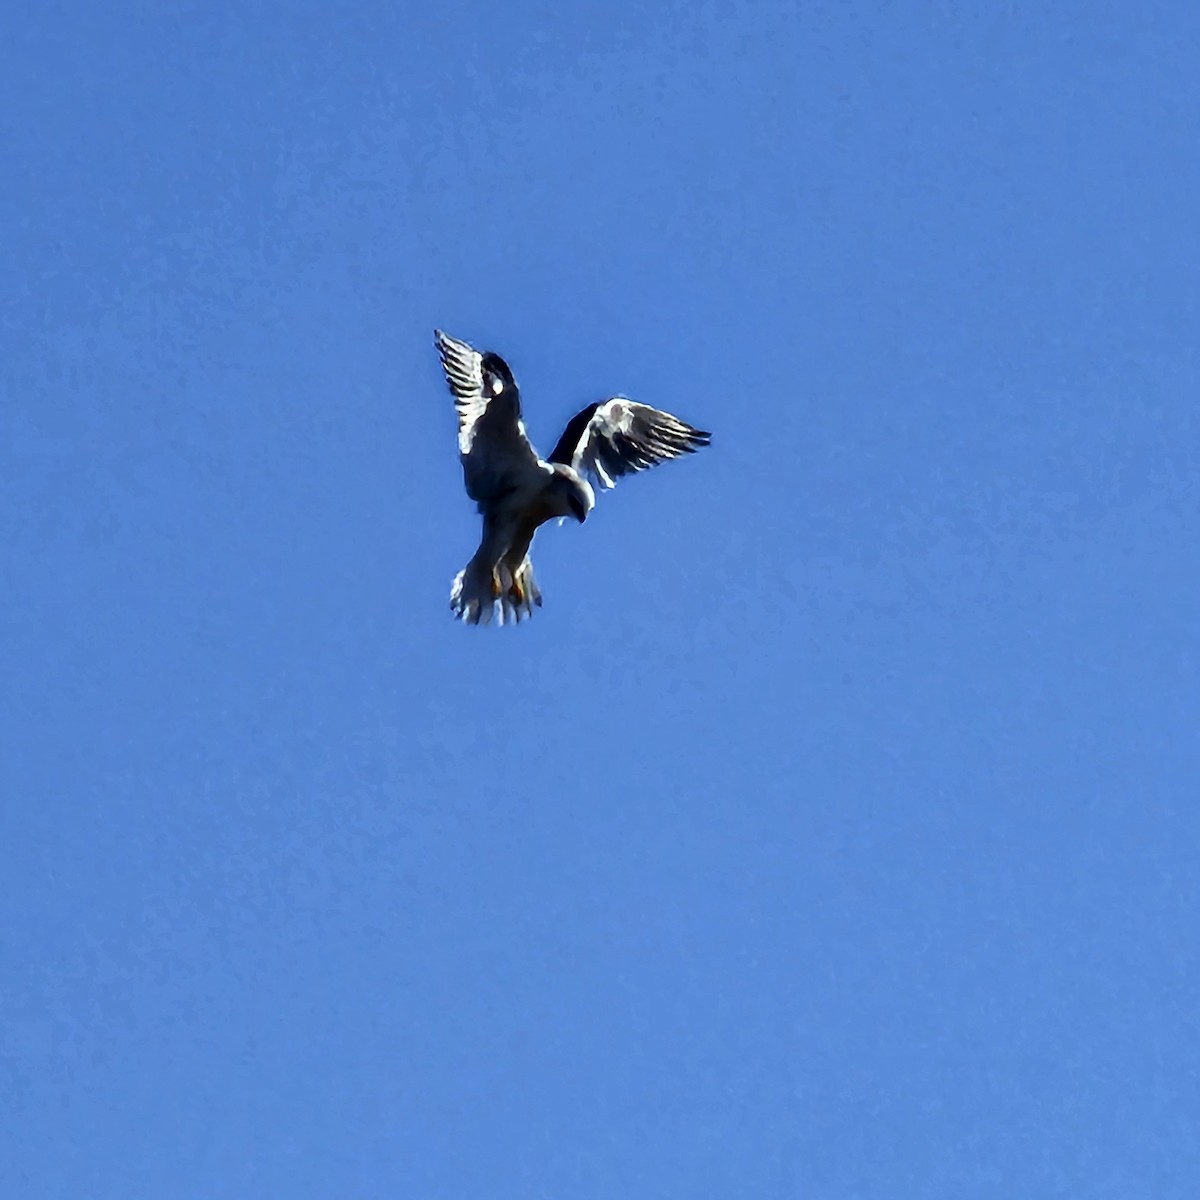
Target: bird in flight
517 490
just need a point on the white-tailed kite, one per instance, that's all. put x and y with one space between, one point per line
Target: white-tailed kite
517 491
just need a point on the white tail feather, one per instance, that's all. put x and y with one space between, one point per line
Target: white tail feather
476 599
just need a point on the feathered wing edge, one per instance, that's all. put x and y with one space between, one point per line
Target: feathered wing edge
619 436
462 365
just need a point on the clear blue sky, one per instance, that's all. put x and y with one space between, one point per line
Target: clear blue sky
831 833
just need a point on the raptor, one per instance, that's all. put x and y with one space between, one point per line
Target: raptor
517 491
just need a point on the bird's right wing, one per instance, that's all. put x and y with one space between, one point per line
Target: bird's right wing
620 436
495 452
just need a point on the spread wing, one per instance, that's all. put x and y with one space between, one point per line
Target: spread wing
619 436
496 454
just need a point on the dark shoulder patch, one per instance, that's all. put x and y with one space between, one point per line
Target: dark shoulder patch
495 371
564 452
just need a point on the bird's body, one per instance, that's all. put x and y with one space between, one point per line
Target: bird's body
517 491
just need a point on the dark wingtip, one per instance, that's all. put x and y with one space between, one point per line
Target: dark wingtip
695 439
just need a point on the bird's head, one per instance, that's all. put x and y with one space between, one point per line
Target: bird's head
574 492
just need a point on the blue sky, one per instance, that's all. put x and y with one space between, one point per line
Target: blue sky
832 830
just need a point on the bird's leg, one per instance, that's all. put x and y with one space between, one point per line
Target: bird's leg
515 591
497 588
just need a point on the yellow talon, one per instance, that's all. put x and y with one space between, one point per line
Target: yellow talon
496 588
516 593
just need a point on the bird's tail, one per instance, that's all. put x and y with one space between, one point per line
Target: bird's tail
522 595
474 593
480 593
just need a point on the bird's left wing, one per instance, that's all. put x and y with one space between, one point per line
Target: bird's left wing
620 436
492 444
